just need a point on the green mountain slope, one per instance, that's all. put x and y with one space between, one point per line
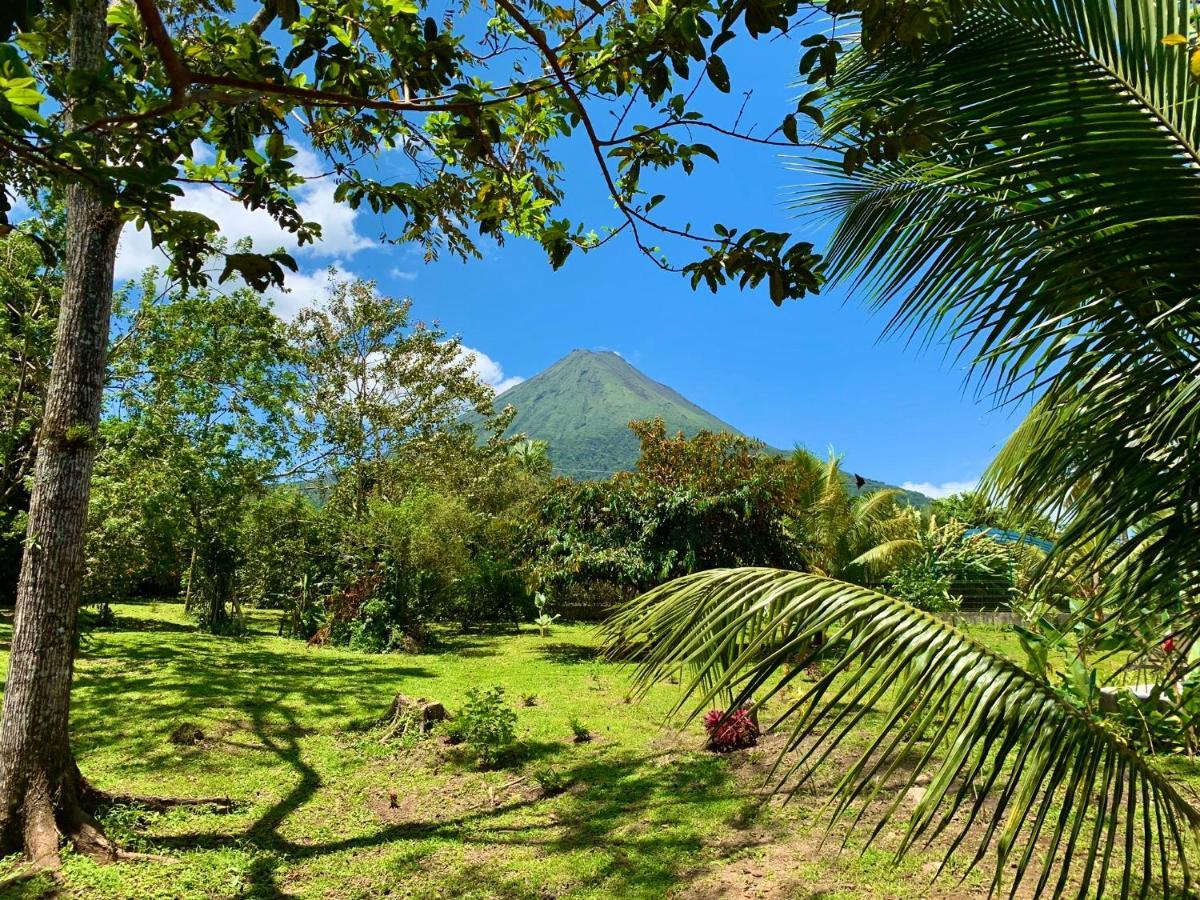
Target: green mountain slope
583 404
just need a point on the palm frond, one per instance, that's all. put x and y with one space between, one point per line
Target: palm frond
1072 803
882 558
1053 232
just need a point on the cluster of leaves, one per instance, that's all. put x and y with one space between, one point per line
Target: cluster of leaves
478 104
731 730
692 503
948 566
979 510
486 724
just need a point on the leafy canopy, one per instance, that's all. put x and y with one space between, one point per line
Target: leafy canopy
448 118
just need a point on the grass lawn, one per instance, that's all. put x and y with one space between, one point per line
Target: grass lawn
327 809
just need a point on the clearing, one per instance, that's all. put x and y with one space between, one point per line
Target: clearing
326 809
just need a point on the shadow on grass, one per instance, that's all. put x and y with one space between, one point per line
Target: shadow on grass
178 680
620 806
633 813
569 654
134 623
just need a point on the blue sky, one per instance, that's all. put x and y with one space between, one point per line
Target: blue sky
813 372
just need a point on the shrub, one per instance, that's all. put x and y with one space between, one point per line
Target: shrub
550 780
581 732
923 588
491 591
486 724
544 620
731 731
709 501
281 539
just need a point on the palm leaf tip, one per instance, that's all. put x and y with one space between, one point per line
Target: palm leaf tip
1032 783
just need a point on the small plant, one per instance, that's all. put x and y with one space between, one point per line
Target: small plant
543 620
486 724
582 735
731 731
529 700
550 780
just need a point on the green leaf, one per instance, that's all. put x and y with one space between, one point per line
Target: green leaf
718 74
789 129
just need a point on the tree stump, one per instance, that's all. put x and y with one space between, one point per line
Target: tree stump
408 714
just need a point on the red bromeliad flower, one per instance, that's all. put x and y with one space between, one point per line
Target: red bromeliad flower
1168 646
730 732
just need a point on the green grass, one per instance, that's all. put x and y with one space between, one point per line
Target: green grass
645 813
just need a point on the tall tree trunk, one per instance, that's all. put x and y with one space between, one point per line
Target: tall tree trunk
40 786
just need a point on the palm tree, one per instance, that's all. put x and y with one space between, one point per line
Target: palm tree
841 536
1031 190
532 457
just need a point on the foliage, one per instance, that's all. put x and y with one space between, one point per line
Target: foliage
199 418
580 732
976 509
486 724
709 501
376 384
731 731
1100 333
281 537
551 780
403 560
1157 715
840 535
950 567
492 591
924 587
259 87
1059 777
30 290
692 503
1042 224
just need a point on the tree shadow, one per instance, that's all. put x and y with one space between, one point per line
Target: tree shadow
135 623
569 654
185 680
619 804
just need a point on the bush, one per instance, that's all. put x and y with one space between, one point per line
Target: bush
923 588
710 501
731 732
580 731
486 724
550 780
492 591
953 569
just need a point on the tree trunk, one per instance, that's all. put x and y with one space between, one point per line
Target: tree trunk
41 791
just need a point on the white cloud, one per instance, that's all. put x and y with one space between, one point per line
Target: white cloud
301 289
402 275
945 489
340 237
505 384
491 372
